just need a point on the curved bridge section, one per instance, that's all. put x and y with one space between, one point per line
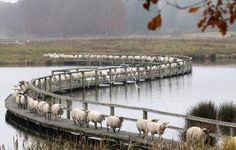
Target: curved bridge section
130 69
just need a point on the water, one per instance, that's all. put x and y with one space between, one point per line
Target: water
10 77
207 82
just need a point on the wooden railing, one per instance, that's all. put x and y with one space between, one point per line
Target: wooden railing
46 88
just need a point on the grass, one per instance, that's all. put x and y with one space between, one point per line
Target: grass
227 112
32 53
203 109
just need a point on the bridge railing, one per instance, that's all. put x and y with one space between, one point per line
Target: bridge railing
46 88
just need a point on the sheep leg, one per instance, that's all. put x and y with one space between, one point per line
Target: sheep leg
139 133
74 121
95 124
119 130
101 125
114 130
152 136
107 128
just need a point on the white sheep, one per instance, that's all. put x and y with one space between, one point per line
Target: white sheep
156 128
17 99
30 105
141 125
114 122
40 106
35 106
196 134
57 110
79 116
95 117
23 101
46 109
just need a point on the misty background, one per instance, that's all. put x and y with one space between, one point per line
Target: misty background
73 18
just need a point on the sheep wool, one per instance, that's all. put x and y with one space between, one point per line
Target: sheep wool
57 110
79 116
196 134
95 117
114 122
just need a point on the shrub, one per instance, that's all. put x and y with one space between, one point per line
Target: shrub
227 112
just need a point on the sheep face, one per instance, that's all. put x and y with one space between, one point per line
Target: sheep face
103 117
155 120
121 119
163 127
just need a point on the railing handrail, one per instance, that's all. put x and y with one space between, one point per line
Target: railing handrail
189 117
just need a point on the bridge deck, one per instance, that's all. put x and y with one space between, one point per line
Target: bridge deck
67 125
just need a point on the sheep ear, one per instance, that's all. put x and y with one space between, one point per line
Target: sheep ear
205 130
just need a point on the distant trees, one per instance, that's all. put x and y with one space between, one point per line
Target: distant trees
63 18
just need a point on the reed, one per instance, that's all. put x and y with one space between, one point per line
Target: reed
227 112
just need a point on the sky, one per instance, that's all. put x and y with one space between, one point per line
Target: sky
12 1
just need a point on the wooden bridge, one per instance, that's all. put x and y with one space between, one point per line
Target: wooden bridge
45 88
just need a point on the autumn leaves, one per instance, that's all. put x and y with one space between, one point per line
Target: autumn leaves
216 14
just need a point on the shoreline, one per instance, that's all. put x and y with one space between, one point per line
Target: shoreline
31 53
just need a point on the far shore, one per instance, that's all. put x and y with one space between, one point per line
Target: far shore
30 53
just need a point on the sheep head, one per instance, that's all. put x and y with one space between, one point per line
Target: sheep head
121 119
163 127
155 120
206 131
103 117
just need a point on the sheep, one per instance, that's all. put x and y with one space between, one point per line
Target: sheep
114 122
17 100
30 103
46 109
23 101
141 125
95 117
57 110
156 128
196 134
40 105
34 106
80 116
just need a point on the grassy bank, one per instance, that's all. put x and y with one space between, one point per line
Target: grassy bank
32 53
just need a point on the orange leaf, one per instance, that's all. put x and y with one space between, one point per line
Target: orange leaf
193 9
157 21
154 1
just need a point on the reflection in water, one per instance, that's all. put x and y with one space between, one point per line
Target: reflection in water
171 94
216 83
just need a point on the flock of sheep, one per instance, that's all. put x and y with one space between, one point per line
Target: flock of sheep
83 117
113 57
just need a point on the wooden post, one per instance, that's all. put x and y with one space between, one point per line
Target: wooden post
231 131
138 77
83 79
70 83
59 82
40 85
110 76
85 105
146 76
96 78
126 74
170 70
50 83
151 72
45 83
69 103
145 114
112 110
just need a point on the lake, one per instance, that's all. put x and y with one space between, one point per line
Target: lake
214 82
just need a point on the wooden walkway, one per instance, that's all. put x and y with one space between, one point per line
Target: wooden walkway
45 88
68 126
